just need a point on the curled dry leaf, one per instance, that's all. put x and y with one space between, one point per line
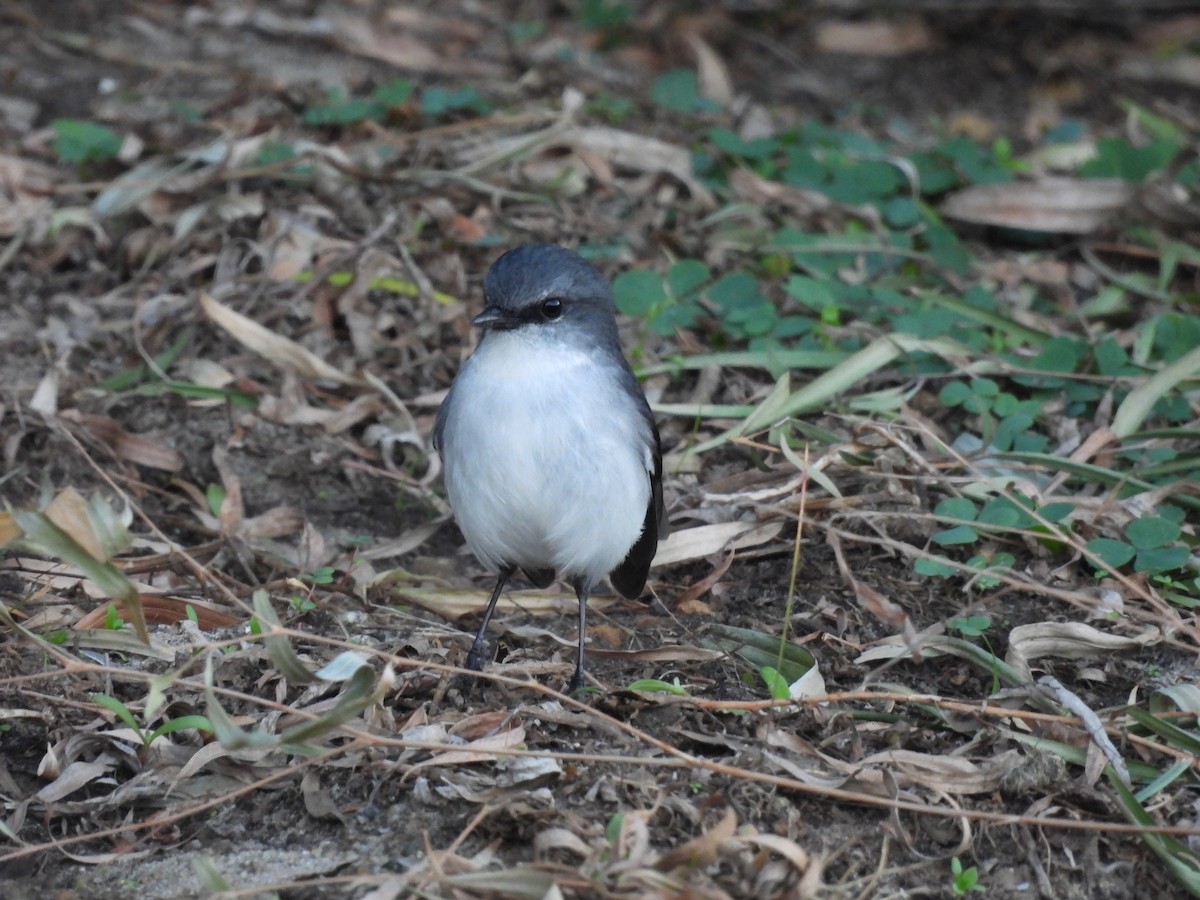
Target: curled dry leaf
789 850
703 541
1051 205
703 849
949 774
125 446
69 511
161 609
77 775
275 522
1068 640
872 600
1091 724
25 187
750 187
810 684
559 839
612 148
485 749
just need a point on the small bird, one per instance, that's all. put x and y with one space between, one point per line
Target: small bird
551 457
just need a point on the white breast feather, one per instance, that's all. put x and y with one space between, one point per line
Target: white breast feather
559 469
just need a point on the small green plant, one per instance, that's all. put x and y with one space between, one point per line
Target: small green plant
970 626
520 32
1152 543
611 108
993 519
438 102
612 830
112 618
777 685
301 604
338 109
610 18
215 495
1006 420
149 736
654 685
964 880
80 142
679 91
323 575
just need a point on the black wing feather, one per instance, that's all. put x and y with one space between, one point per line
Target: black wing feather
630 576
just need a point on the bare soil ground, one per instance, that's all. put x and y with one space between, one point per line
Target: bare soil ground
627 793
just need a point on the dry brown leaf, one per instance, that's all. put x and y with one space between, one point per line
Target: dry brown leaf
454 604
75 776
689 601
703 541
9 531
134 448
789 850
951 774
1067 640
25 187
875 37
671 654
712 75
485 749
479 725
357 410
1052 205
870 599
388 39
559 839
639 153
271 346
750 187
69 511
232 512
703 849
318 800
161 609
275 522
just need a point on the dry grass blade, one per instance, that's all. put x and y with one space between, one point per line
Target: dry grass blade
1140 401
285 353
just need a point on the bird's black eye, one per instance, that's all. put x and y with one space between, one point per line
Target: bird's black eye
552 308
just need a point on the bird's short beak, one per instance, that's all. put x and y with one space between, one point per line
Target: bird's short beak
492 317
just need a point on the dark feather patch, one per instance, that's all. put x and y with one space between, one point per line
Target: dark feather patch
630 576
541 578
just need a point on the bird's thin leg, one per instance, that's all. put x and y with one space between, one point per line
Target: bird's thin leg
581 591
475 656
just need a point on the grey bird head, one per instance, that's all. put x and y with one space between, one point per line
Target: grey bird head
545 284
